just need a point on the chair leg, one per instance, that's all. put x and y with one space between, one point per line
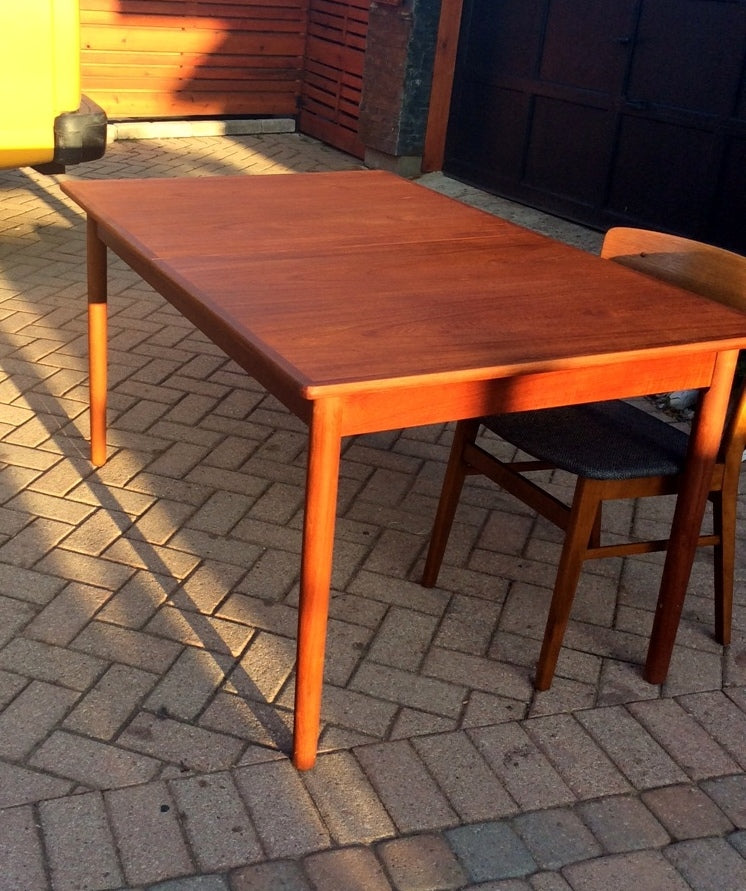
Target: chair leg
724 521
466 432
583 517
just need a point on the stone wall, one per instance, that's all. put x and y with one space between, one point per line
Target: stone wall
397 76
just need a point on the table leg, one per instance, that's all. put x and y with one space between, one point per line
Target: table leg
316 569
704 442
97 342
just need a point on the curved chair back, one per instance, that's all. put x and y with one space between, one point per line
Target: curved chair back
707 270
710 271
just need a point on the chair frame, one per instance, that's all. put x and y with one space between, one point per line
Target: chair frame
709 271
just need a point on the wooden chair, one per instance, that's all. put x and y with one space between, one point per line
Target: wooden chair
616 451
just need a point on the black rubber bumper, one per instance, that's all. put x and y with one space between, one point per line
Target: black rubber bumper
80 135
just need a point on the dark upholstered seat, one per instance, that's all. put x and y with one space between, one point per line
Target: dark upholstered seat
601 440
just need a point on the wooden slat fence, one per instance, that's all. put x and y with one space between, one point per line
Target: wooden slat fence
187 58
332 88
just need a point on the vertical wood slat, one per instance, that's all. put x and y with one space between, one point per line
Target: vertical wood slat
333 82
442 88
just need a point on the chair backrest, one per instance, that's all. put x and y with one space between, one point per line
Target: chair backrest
707 270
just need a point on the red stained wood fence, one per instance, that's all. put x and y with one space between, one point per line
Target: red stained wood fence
332 88
186 58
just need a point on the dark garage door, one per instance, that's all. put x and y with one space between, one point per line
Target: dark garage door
607 111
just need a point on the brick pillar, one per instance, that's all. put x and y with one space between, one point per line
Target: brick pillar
397 74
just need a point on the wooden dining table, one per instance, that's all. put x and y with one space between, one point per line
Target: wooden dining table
366 302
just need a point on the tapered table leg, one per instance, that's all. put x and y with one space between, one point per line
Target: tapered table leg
316 569
707 431
97 341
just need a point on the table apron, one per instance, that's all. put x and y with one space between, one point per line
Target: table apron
395 407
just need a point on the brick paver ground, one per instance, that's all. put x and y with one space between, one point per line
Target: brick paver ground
148 609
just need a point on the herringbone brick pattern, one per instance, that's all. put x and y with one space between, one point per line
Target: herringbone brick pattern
148 614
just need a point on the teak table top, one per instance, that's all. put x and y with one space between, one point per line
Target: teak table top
357 279
366 302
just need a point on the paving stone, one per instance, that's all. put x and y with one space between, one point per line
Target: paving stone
722 719
521 766
96 533
96 571
413 690
31 716
257 722
34 542
79 844
193 883
207 587
468 625
623 823
272 576
489 851
411 723
147 832
10 686
134 604
379 587
277 618
484 709
620 872
65 616
21 852
35 659
95 764
19 785
581 762
189 684
127 646
264 668
634 751
195 630
548 881
278 875
422 863
28 584
687 812
556 837
403 639
346 869
346 800
14 615
729 793
103 711
479 673
507 885
471 787
187 746
353 710
408 792
282 810
738 840
709 864
216 822
684 738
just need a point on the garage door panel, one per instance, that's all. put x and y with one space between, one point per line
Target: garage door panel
678 38
729 211
586 43
502 118
505 37
638 110
662 175
568 149
740 114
